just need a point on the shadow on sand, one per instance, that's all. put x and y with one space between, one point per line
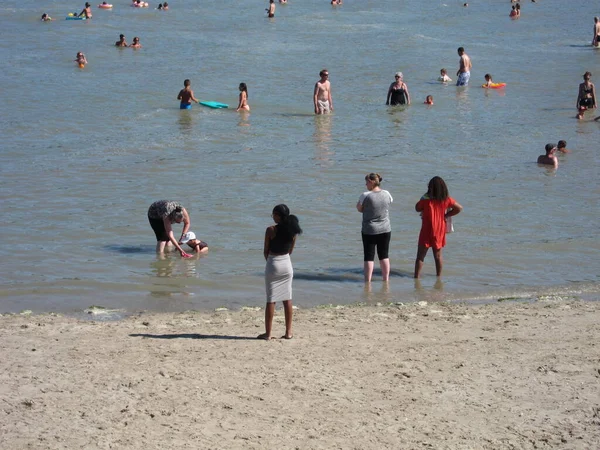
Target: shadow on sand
192 336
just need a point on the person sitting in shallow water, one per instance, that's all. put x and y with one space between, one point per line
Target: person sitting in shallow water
549 158
562 147
121 42
194 243
444 78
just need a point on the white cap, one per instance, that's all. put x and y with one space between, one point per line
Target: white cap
188 237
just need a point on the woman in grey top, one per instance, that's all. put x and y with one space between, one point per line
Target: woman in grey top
376 228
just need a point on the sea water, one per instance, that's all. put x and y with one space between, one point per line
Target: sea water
86 151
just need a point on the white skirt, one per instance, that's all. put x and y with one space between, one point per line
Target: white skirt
278 278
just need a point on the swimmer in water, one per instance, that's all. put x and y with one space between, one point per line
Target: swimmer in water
488 81
562 147
121 42
549 158
186 96
428 100
81 59
444 78
136 43
243 103
160 6
165 6
46 18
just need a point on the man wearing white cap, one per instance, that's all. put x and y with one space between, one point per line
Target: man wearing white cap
195 244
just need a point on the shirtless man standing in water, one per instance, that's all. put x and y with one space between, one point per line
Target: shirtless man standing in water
464 71
271 10
596 40
322 95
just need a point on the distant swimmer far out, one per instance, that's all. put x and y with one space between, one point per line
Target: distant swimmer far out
186 96
81 60
549 158
46 18
105 5
464 69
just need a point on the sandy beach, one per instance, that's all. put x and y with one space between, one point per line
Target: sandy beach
502 376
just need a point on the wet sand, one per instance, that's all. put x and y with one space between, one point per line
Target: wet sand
503 376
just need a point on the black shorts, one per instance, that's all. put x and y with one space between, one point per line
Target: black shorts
379 241
587 102
158 225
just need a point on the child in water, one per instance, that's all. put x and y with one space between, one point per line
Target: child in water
243 103
46 18
165 6
488 81
428 100
81 60
444 78
195 244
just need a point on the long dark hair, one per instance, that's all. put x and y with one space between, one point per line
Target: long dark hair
244 88
288 223
437 189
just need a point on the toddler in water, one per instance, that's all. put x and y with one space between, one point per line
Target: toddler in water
488 81
444 78
195 244
562 147
428 100
81 60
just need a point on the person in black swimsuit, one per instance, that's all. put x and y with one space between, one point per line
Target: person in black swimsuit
586 99
398 92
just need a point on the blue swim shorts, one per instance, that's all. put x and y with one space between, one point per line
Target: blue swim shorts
463 78
185 106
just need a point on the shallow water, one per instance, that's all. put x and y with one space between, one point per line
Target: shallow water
85 152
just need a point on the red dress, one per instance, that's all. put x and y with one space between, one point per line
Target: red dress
433 229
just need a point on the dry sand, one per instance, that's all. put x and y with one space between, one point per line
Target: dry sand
504 376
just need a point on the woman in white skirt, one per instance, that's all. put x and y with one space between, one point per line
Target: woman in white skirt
279 244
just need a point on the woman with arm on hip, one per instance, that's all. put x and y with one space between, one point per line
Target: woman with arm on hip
279 244
376 228
435 207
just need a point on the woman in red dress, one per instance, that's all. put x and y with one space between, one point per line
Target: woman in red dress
435 206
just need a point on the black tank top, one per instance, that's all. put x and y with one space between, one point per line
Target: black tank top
281 243
398 97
